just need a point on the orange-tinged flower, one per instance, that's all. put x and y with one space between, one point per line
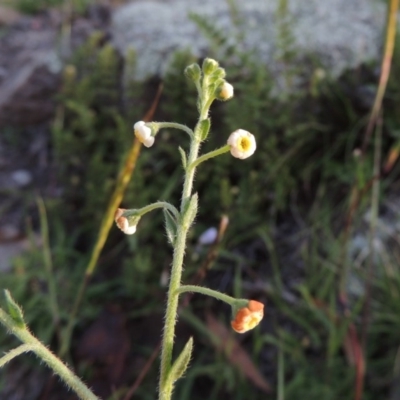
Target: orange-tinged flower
248 317
123 223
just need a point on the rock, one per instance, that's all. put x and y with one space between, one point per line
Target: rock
32 53
29 73
341 33
27 96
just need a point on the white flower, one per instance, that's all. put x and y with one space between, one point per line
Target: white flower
225 91
143 133
123 223
243 144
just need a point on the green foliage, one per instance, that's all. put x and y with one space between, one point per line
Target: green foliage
179 91
36 6
90 122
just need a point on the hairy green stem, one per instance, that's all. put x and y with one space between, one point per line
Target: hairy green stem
175 282
159 204
22 333
24 348
207 292
174 125
209 155
165 386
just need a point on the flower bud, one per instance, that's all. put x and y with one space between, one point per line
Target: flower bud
224 91
123 223
209 66
247 318
193 72
243 144
143 133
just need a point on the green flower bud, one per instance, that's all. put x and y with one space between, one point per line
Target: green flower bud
209 66
193 72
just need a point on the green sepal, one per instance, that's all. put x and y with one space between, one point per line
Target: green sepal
170 226
14 310
183 157
190 210
203 129
181 363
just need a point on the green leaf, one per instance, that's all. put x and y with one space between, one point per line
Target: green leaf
183 156
190 210
170 226
203 129
181 363
14 310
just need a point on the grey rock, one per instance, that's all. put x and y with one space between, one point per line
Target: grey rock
29 74
342 33
26 97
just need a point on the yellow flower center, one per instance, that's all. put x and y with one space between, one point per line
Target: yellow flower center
253 321
244 144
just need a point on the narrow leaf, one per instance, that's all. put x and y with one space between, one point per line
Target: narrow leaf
170 226
204 128
180 365
183 156
191 210
14 310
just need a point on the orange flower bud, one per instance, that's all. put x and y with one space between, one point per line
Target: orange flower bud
248 317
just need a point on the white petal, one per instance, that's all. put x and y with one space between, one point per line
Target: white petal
237 150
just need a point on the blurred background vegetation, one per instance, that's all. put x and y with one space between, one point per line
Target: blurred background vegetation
313 230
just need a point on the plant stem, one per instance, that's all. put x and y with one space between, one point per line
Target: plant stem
15 353
209 155
165 390
48 357
165 385
207 292
159 204
174 125
391 27
175 282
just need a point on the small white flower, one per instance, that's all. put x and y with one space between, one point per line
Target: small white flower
243 144
143 133
225 91
123 223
